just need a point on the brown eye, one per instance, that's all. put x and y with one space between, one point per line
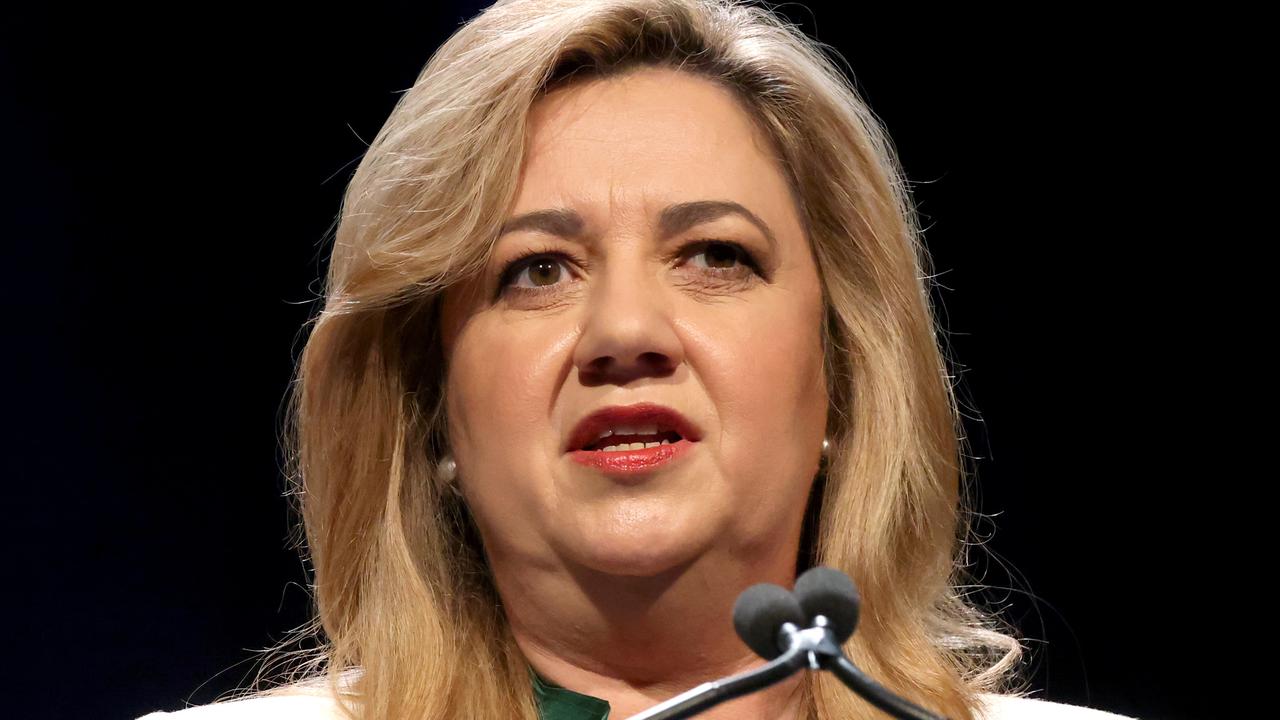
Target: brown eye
723 257
542 271
720 255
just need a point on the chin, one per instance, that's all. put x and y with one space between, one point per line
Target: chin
635 562
642 544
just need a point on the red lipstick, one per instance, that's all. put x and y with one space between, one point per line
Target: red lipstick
631 462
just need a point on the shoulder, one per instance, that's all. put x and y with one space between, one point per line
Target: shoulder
1013 707
285 707
302 701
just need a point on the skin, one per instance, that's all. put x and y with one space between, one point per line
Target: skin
624 590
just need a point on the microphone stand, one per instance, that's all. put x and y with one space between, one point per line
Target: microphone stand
827 655
814 648
690 703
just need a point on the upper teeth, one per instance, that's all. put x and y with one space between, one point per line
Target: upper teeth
628 430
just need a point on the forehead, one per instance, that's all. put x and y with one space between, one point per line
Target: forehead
652 136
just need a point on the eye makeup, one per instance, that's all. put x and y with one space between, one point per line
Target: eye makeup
747 266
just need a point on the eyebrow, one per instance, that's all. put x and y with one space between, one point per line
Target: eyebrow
567 223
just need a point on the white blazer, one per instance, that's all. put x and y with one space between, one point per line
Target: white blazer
309 706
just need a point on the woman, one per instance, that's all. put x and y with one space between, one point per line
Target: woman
625 315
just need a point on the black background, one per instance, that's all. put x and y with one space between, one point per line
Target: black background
170 188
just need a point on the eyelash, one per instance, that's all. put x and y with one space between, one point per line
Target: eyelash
517 265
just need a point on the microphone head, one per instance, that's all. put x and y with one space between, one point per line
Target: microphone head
760 612
828 592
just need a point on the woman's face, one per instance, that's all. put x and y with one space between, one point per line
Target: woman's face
627 303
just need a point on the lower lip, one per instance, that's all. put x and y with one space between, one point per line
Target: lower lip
626 463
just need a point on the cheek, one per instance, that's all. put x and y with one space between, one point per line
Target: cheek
764 374
501 385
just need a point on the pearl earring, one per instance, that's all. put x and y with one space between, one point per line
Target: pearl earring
826 446
448 469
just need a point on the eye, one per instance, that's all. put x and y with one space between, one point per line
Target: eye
542 271
723 258
537 270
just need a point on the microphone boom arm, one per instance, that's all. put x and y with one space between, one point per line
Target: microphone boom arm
875 693
826 654
766 618
708 694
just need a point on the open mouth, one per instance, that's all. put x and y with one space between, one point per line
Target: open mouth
632 457
643 430
628 443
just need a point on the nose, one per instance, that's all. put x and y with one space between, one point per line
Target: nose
628 330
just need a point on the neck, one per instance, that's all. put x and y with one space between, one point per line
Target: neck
637 641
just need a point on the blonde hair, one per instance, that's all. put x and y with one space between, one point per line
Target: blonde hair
399 580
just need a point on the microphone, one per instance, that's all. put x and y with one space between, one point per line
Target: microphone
769 619
830 601
830 593
759 614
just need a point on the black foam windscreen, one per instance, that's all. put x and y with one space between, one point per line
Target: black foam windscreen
829 592
760 612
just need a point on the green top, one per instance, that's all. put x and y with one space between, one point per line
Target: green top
557 703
